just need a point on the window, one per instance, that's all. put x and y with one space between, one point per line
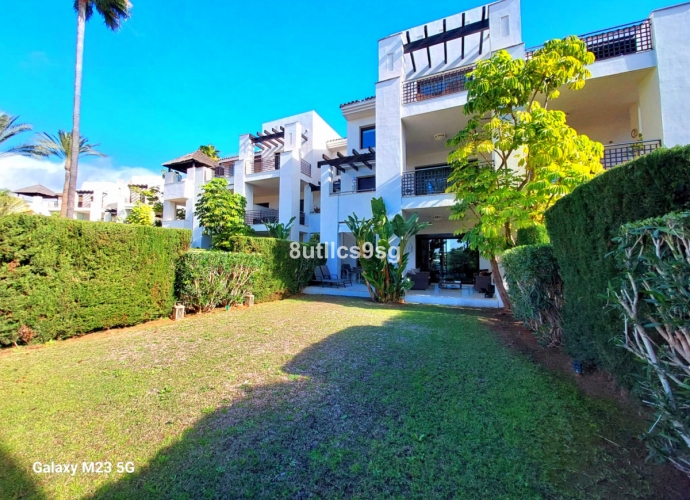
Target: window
366 183
336 186
368 137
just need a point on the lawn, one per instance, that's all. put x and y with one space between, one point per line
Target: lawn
310 398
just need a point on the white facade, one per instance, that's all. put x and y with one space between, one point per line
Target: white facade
637 93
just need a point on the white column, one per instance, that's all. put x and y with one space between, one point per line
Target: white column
308 207
289 194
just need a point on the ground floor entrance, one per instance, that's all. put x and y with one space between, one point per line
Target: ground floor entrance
446 257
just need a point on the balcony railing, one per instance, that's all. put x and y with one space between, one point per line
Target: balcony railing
252 217
85 202
616 154
302 219
450 82
224 171
305 168
267 163
425 181
614 42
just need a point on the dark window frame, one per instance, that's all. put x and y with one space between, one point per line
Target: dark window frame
362 130
362 190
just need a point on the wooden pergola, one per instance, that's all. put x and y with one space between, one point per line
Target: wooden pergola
356 160
446 36
272 139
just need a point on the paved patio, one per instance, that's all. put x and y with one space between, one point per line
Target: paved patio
467 297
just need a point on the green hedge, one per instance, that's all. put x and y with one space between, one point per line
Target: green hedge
535 235
60 278
535 288
206 280
281 275
582 226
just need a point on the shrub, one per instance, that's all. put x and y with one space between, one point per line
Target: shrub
60 278
206 280
280 275
535 288
141 215
653 297
534 235
581 227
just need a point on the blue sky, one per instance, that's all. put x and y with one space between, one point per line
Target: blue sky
183 73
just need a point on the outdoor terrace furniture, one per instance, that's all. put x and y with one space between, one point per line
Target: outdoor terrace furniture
325 278
420 280
450 285
482 283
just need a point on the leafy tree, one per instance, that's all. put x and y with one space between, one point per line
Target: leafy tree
210 151
152 196
9 128
278 230
384 276
141 215
539 158
11 204
61 147
113 13
221 213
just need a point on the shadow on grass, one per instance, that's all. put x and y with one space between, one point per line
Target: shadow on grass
428 405
15 481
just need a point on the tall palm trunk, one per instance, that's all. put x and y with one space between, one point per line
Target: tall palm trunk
65 188
76 117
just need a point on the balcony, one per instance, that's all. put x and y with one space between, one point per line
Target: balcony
267 163
613 42
430 87
225 171
616 154
253 217
426 181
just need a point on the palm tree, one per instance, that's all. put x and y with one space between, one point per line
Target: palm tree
61 146
210 151
11 204
9 128
113 13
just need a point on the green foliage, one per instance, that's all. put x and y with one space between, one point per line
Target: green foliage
535 288
384 278
533 235
206 280
9 128
11 204
653 297
581 227
210 151
60 278
221 213
280 275
141 215
278 230
152 196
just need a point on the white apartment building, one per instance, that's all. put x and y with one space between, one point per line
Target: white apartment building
395 148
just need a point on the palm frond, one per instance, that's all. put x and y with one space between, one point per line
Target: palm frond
10 128
114 12
60 145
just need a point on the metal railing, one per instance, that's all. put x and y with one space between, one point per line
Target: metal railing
260 216
305 168
425 181
85 202
303 219
613 42
616 154
224 171
450 82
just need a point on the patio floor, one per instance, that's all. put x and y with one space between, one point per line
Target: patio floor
466 297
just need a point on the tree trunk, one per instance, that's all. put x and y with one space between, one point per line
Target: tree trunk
76 116
65 189
498 279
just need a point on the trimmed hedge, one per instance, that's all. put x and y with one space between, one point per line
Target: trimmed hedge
60 278
281 275
535 235
535 289
582 226
206 280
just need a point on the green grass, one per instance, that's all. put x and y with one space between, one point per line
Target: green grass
309 399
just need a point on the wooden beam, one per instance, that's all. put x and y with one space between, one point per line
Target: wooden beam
445 45
366 163
428 50
414 66
481 33
330 162
453 34
267 137
305 137
349 163
462 52
372 151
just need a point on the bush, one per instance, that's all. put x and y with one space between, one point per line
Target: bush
280 275
581 227
653 297
60 278
535 289
141 215
535 235
206 280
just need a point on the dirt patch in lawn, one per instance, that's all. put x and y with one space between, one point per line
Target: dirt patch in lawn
672 483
